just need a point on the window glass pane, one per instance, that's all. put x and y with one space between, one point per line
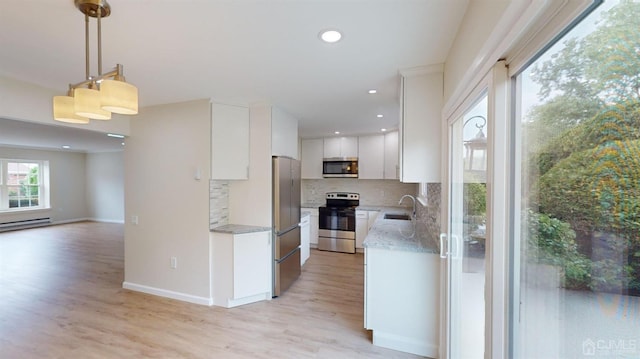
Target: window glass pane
23 184
579 261
468 211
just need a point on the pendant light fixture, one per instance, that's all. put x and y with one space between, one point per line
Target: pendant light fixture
97 96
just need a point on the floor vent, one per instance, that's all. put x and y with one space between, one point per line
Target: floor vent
24 224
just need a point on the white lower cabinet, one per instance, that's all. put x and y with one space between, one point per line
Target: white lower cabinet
362 227
305 236
313 226
371 217
401 303
364 221
241 270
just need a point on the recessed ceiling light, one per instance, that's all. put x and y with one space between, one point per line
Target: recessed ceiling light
66 147
372 91
330 36
123 143
383 129
337 132
379 116
115 135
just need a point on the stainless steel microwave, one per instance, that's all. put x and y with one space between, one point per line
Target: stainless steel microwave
345 167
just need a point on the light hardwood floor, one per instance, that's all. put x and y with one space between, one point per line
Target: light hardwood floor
61 296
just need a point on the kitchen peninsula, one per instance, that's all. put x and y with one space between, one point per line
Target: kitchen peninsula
402 285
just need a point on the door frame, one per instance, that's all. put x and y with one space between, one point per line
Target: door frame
497 86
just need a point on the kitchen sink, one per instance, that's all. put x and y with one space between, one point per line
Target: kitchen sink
404 217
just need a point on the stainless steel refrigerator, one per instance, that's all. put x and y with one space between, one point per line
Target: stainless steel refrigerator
286 219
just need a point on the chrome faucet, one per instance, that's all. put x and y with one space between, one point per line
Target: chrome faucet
413 215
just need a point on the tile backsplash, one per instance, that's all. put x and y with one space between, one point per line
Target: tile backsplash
430 214
372 192
218 203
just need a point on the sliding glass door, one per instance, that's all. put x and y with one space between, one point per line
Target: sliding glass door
576 259
464 245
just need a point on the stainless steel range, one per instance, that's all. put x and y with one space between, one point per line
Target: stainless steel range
337 222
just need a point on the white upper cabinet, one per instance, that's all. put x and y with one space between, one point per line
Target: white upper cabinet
311 161
391 155
420 124
284 134
349 146
340 147
229 142
371 157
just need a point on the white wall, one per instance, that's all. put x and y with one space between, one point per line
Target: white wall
105 186
465 53
168 143
67 184
28 102
250 200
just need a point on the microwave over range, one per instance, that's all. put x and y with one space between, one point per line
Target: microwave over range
340 167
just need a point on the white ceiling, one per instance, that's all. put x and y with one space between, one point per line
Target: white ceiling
240 52
35 135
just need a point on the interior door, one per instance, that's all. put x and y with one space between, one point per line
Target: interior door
464 250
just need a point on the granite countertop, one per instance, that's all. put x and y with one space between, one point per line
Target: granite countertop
388 209
401 235
311 205
239 229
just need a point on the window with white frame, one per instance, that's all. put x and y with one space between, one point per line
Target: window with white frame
22 184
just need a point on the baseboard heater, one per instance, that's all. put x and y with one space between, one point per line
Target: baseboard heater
24 224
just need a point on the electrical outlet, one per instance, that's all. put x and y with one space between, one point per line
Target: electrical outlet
174 262
134 219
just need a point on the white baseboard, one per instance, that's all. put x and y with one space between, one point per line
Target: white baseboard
105 220
405 344
167 293
100 220
230 303
74 220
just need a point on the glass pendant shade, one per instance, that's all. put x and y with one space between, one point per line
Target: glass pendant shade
96 97
87 104
119 97
63 110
